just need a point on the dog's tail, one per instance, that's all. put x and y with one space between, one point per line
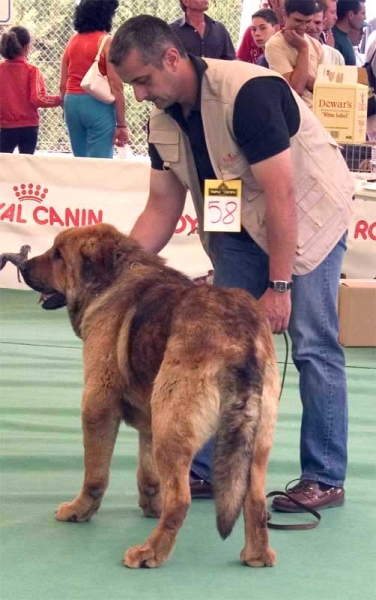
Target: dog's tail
241 393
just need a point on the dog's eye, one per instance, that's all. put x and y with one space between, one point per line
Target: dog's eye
56 254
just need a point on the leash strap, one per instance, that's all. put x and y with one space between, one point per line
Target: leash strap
294 526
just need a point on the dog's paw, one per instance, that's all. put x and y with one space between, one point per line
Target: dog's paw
142 556
73 512
269 559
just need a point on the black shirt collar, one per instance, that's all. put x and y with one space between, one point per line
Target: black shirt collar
183 21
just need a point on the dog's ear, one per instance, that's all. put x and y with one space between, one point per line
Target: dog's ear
99 259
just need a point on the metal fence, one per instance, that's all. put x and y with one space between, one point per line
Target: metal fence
50 24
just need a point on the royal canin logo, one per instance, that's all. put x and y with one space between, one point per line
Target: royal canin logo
21 212
30 193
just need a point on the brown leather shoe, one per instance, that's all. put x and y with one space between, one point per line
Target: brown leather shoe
200 489
312 494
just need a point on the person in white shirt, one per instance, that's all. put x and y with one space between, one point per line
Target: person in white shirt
315 30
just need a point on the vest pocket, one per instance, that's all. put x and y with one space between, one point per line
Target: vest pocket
315 209
167 142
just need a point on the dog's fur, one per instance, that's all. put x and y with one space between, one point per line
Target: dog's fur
16 258
179 363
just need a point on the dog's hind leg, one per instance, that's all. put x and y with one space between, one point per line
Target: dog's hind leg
181 422
100 422
256 552
149 496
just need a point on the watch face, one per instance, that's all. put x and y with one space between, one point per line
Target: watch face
280 286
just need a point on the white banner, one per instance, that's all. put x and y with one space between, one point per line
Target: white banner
41 195
360 258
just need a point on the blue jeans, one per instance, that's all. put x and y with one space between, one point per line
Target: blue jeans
316 353
91 125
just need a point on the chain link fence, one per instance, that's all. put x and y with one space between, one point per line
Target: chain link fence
50 25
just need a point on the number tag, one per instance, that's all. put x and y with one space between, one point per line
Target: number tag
222 205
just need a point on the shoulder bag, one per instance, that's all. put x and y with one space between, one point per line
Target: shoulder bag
96 84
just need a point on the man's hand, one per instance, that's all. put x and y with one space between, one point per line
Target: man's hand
277 307
294 39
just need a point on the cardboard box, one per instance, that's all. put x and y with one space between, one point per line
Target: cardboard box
340 103
357 312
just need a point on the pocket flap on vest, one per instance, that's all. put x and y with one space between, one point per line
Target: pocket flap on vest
167 143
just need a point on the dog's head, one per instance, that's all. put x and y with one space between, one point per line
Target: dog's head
81 264
25 249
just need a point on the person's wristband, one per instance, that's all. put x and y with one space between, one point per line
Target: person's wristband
121 126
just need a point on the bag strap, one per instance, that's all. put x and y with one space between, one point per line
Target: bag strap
103 41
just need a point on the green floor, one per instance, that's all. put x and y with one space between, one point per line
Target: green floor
41 466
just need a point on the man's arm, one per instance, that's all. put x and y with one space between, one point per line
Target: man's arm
157 223
299 78
228 51
275 176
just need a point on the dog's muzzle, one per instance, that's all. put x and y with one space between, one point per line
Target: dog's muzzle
50 299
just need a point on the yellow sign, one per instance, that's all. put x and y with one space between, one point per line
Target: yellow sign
222 205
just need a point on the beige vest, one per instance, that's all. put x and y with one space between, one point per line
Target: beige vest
323 184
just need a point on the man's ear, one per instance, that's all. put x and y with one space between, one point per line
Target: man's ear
171 58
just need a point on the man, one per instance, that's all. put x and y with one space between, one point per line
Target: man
201 35
278 6
315 29
219 120
293 53
351 15
264 25
330 19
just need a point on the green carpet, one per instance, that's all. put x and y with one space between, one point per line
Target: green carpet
42 465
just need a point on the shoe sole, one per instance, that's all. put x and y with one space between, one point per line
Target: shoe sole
295 509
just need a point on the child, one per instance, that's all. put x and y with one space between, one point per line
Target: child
264 25
22 92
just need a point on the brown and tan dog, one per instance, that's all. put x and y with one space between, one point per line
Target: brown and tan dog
178 362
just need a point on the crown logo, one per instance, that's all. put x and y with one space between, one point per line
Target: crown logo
29 192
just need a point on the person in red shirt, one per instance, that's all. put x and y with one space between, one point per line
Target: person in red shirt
264 25
22 93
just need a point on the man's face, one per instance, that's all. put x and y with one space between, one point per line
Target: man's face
356 19
316 26
330 14
262 31
150 83
298 22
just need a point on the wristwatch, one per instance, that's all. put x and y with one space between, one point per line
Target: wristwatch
280 286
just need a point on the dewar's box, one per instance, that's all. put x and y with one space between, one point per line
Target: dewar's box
340 103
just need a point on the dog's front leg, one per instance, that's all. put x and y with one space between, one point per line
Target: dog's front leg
100 422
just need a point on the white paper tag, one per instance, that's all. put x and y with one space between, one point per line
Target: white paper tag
222 205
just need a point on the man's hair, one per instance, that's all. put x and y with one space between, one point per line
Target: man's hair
13 42
94 15
267 14
304 7
319 7
150 36
346 6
